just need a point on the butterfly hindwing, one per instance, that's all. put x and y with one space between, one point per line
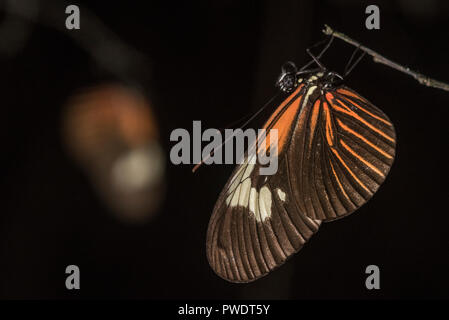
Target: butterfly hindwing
341 151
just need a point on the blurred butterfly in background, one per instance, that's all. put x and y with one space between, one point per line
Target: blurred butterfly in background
335 149
111 131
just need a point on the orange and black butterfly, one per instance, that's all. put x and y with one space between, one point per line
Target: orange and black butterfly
335 148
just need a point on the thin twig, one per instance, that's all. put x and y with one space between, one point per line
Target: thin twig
422 79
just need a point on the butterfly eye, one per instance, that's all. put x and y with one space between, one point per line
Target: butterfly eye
287 81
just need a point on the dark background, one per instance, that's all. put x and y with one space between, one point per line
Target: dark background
216 62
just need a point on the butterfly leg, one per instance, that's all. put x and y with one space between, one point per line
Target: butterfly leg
349 68
326 47
315 59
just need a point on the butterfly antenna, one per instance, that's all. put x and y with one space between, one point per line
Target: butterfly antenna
348 69
326 47
234 123
232 136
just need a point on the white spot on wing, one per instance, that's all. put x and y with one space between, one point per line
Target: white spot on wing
281 194
254 203
228 199
249 169
252 200
244 193
237 177
240 184
265 203
235 197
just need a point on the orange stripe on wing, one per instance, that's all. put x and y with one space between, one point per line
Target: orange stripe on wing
351 113
329 130
349 170
368 164
283 124
313 120
282 105
372 145
349 93
338 181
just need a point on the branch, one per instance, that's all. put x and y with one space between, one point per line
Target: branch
422 79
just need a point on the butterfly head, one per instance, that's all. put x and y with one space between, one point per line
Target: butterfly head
288 80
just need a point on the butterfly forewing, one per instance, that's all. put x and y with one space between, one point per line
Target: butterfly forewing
256 224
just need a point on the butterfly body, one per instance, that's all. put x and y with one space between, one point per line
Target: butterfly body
335 149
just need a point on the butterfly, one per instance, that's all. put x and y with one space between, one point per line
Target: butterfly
335 148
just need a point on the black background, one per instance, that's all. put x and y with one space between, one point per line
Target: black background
216 62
